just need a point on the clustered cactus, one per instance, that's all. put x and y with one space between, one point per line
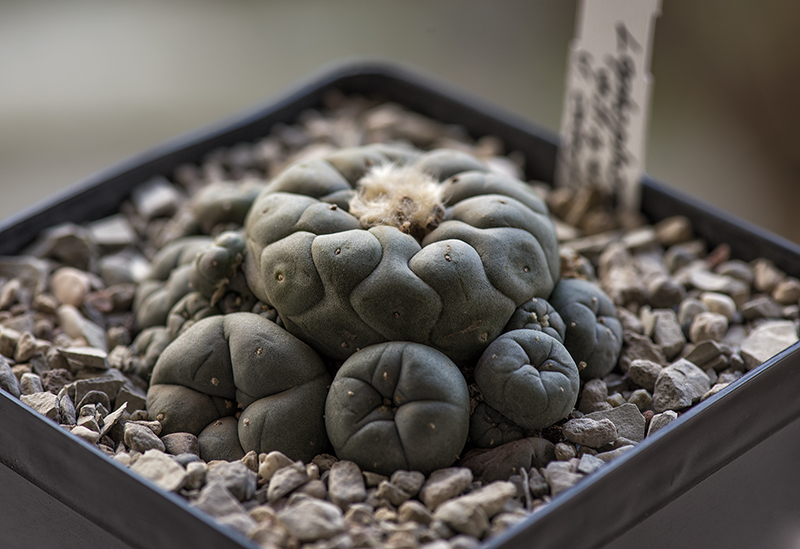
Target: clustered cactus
398 303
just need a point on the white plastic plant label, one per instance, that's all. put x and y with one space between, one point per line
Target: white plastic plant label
606 104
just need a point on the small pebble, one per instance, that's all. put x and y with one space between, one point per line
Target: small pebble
644 373
661 420
346 484
141 439
707 326
271 462
30 383
45 403
444 484
312 519
679 386
719 303
158 468
590 432
768 340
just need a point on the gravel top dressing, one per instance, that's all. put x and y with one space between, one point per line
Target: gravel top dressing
424 373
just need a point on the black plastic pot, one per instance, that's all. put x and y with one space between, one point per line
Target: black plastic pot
723 475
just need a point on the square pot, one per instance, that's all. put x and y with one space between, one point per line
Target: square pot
721 475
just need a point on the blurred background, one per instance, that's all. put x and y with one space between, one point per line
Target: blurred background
85 83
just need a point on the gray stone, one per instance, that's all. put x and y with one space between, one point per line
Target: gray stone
124 268
766 275
641 398
705 352
661 420
26 348
90 422
537 484
565 451
627 419
114 418
414 511
667 332
738 269
30 271
761 307
679 385
30 384
94 397
768 340
272 462
560 476
75 325
712 282
640 238
470 514
286 480
157 197
593 396
589 464
141 439
639 347
66 408
86 357
70 286
181 443
590 432
707 326
8 381
461 541
236 477
613 454
508 459
689 308
644 373
787 291
392 493
719 303
673 230
346 484
408 481
134 397
69 244
195 475
45 403
312 519
161 470
89 435
218 502
444 484
114 231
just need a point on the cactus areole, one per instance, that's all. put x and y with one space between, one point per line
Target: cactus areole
379 244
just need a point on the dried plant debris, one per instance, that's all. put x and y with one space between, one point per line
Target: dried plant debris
645 322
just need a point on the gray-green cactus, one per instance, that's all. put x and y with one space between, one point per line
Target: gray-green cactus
537 314
451 282
215 265
488 428
398 405
168 282
529 377
242 361
593 331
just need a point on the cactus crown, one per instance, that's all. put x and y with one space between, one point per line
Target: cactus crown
399 196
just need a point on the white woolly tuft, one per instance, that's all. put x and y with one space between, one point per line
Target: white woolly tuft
399 196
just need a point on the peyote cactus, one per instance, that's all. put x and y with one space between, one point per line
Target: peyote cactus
406 266
398 405
529 377
241 360
593 332
442 253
